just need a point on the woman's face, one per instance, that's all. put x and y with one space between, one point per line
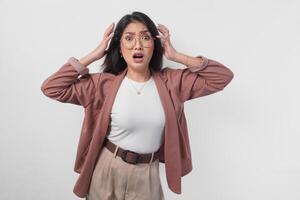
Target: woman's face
136 38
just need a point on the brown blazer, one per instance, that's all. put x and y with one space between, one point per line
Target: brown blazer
96 92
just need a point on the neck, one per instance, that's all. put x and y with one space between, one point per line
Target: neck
139 76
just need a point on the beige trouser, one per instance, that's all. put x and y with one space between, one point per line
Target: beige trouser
114 179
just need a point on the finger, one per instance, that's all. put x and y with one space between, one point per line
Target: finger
111 25
160 30
162 39
160 36
161 33
163 36
109 37
165 33
163 28
109 29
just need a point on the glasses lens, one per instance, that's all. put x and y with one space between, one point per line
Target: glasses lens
130 41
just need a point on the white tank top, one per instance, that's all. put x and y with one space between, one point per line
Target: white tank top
137 120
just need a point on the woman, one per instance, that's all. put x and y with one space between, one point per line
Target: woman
134 116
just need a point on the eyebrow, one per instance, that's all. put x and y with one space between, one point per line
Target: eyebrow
140 32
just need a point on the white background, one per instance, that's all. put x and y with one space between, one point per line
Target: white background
244 139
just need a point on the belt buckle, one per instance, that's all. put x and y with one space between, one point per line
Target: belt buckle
124 155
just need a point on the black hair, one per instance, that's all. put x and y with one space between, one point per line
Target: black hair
113 62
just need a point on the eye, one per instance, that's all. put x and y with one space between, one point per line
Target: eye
146 37
128 38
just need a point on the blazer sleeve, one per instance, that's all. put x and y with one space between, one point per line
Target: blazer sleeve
66 86
196 81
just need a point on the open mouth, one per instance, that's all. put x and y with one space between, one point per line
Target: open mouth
138 57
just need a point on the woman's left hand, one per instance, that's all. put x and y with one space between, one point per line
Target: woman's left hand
169 50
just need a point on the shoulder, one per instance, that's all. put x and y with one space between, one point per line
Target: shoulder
99 78
106 78
169 74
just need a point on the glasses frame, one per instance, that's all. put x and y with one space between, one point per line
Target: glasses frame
135 38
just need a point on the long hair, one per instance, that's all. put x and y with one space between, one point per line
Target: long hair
113 62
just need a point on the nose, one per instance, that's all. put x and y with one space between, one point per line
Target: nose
138 44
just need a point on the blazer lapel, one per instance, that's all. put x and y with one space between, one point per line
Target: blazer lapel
172 145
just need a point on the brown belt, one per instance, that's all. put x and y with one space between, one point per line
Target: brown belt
130 156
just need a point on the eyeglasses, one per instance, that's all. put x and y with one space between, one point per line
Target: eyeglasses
129 41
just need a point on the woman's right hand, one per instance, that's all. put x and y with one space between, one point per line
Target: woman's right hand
108 34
